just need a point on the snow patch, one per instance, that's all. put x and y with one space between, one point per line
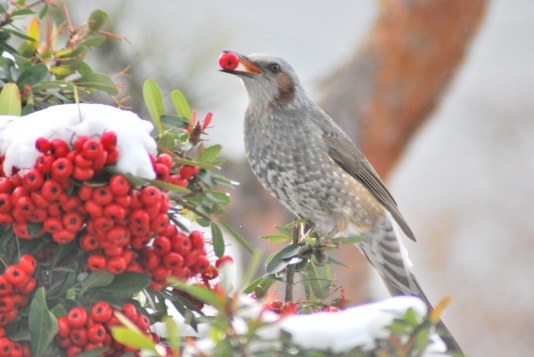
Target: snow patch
67 122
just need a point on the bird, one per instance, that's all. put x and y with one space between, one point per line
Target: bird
306 161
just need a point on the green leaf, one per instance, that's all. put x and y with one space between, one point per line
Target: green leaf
174 121
136 339
172 333
180 104
10 100
97 279
237 237
218 197
93 41
166 140
97 19
202 165
127 284
97 81
349 240
319 280
32 75
261 283
43 324
200 293
154 103
276 238
20 35
280 260
22 12
218 240
210 153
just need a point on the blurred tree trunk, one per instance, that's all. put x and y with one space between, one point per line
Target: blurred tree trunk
385 92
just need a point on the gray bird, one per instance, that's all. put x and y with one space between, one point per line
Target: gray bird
306 161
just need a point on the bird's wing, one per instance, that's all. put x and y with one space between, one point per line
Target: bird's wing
343 151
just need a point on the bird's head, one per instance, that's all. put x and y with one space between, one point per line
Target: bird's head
270 81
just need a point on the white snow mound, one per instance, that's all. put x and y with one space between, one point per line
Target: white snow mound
342 331
67 122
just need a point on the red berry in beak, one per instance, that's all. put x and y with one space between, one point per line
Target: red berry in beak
229 60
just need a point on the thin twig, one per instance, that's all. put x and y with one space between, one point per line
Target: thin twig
292 267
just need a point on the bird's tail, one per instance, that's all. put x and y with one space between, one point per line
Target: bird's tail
384 249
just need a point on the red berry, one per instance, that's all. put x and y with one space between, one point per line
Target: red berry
210 273
5 286
5 203
89 243
63 236
181 244
130 312
6 347
21 230
114 212
33 179
150 195
108 140
78 337
85 192
93 209
102 195
143 322
6 219
100 161
19 193
78 144
73 350
173 261
162 172
82 162
186 171
223 260
44 163
25 205
165 159
77 317
73 221
289 308
113 156
16 275
51 190
162 245
62 168
91 149
81 174
197 240
59 148
64 327
96 262
201 265
42 145
5 185
191 258
116 265
6 303
229 61
52 224
101 312
96 333
28 287
159 223
28 263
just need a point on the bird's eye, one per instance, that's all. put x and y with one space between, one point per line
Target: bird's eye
275 68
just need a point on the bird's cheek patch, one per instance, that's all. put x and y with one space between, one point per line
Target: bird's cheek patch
286 89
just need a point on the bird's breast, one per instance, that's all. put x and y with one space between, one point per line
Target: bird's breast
292 164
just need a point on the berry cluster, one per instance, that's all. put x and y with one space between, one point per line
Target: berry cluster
174 254
282 308
115 222
10 348
82 331
16 284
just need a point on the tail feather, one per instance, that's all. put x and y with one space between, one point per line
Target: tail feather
384 249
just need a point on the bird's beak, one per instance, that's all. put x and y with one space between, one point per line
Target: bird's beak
250 68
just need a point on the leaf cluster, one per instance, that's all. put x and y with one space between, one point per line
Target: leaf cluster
50 69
